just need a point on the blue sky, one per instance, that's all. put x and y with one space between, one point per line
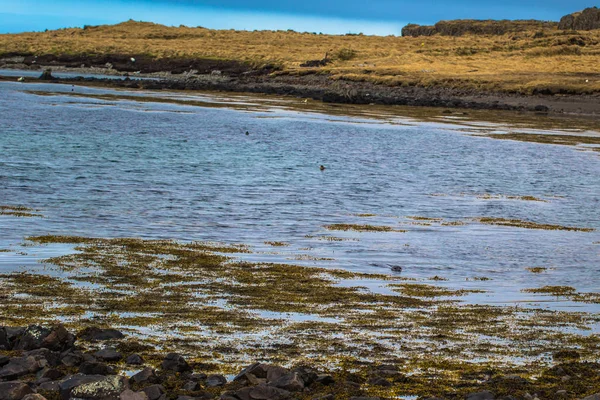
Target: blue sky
380 17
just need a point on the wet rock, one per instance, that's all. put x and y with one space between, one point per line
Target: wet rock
4 360
68 385
175 362
485 395
95 368
109 354
50 387
145 375
3 339
258 370
94 334
131 395
107 388
52 357
325 379
34 396
274 373
291 382
21 366
71 359
593 397
380 382
198 377
58 339
50 373
216 380
308 375
154 392
262 392
190 386
134 359
47 75
32 338
14 390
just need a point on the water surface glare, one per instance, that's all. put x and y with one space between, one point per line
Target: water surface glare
116 168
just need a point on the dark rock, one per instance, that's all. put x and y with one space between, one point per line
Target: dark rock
67 386
110 355
89 358
325 379
257 369
47 75
107 388
145 375
53 357
216 380
32 338
21 366
475 27
190 386
34 396
154 392
291 382
308 375
50 373
58 339
507 398
380 382
134 359
95 368
4 360
175 362
274 373
71 359
131 395
14 390
485 395
262 392
198 377
326 397
541 108
93 334
364 398
593 397
50 387
585 20
352 384
4 339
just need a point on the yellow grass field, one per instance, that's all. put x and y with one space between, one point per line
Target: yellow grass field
547 61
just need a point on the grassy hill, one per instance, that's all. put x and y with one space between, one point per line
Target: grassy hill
541 60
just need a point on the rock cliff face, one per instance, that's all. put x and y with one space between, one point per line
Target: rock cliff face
585 20
476 27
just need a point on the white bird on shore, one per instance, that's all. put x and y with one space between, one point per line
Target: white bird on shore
21 79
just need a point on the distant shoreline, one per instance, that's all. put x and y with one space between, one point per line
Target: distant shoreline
322 88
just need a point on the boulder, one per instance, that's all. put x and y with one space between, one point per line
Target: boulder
134 359
175 362
95 368
50 374
46 75
154 392
586 20
379 381
274 373
485 395
107 388
50 387
53 357
198 377
325 379
32 338
71 359
109 354
190 386
257 369
262 392
58 339
34 396
216 380
145 375
14 390
131 395
94 334
21 366
4 360
3 339
593 397
291 382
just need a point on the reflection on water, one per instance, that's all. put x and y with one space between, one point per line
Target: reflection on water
167 170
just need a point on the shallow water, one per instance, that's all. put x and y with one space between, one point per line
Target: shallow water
120 168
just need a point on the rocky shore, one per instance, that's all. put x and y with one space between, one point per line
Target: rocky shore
322 88
38 362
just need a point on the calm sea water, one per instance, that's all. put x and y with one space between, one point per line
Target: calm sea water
115 168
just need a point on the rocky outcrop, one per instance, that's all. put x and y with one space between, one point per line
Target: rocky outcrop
476 27
585 20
